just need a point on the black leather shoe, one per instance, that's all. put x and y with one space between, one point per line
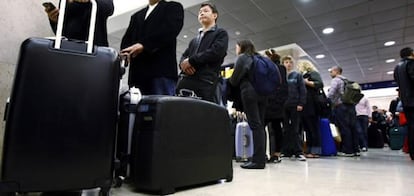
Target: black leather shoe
251 165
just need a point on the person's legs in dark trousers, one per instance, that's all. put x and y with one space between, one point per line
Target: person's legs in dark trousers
361 127
313 135
345 120
292 142
409 113
163 86
254 108
275 138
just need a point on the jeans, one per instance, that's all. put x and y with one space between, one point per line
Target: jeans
292 137
362 129
311 125
345 119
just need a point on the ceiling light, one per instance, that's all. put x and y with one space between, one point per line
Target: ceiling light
328 30
390 61
185 36
370 69
320 56
237 33
390 72
389 43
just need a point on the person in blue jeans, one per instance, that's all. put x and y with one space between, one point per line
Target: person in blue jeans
254 105
363 111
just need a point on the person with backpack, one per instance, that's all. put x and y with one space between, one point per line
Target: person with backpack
292 112
254 104
404 75
311 112
344 114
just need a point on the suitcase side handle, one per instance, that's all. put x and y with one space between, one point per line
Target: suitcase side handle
91 26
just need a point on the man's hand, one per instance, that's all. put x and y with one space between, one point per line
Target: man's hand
132 51
53 14
187 67
299 108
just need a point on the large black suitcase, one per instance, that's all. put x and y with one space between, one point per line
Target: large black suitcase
178 142
61 123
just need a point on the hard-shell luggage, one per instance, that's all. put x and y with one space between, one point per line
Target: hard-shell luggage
244 141
397 135
327 141
61 122
179 141
127 113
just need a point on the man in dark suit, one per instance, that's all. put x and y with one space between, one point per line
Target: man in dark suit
77 17
150 43
201 61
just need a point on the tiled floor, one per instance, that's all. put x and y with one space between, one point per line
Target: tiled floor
378 172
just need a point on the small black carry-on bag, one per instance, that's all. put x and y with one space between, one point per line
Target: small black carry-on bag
61 122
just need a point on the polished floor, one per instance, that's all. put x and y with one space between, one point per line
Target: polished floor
378 172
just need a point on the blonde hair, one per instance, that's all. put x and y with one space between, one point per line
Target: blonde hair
306 66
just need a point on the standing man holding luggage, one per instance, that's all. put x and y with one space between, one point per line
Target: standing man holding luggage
404 75
150 42
77 15
201 61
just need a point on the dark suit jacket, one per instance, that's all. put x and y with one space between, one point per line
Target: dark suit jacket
77 17
209 56
158 34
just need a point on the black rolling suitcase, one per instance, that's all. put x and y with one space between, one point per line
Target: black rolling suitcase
179 141
61 122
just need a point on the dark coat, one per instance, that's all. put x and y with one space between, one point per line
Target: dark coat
311 107
404 75
77 19
276 101
297 90
207 57
158 34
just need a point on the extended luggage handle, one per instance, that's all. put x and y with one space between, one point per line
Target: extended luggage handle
187 93
61 19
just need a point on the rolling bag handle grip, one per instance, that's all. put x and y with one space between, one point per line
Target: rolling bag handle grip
91 26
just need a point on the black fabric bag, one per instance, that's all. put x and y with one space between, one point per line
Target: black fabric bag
323 104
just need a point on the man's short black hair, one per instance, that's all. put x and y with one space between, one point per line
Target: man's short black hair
212 6
406 52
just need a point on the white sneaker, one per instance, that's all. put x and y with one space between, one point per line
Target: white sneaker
300 157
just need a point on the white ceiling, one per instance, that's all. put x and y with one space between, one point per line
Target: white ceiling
357 44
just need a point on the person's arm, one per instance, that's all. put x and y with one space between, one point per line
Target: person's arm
316 82
410 70
128 37
302 92
105 8
240 69
334 88
213 54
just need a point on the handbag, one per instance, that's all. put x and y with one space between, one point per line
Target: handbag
335 132
323 103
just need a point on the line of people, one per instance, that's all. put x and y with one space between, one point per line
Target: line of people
150 43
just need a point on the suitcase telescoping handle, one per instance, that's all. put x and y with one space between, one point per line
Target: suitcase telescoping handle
91 26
